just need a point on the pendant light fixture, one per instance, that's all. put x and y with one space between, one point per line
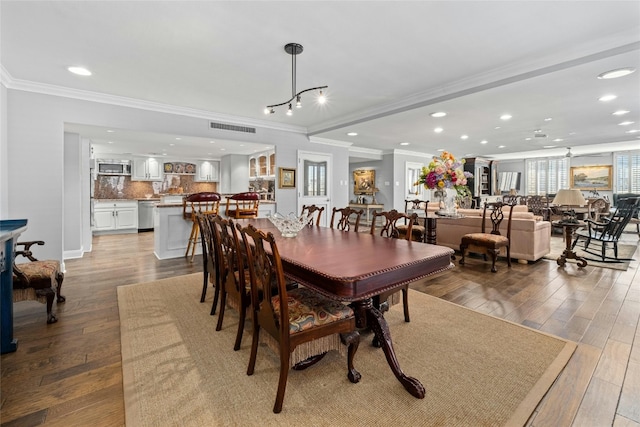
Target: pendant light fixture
294 49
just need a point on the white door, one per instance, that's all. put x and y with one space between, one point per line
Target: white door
314 182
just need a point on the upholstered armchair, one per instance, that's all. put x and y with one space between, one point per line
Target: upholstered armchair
37 280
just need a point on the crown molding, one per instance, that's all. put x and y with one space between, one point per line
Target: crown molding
326 141
46 89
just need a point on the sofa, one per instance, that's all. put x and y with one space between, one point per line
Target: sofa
530 234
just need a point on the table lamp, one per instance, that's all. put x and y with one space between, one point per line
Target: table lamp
569 198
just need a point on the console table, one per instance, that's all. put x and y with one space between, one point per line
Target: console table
9 232
367 209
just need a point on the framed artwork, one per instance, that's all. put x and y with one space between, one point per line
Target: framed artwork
591 177
287 178
364 181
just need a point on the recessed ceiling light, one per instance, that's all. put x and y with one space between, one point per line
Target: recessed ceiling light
620 113
352 133
79 71
438 114
440 149
110 131
405 143
484 141
223 149
501 146
164 154
558 140
548 119
438 130
178 138
625 123
633 131
464 137
505 116
614 74
572 133
528 139
212 142
171 145
241 145
497 127
109 142
549 146
606 98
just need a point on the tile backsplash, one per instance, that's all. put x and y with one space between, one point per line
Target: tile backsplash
122 187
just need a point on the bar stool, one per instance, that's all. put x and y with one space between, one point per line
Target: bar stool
198 203
242 205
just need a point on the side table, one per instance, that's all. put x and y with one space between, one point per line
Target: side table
569 228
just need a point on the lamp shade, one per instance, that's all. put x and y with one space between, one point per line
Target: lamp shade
569 198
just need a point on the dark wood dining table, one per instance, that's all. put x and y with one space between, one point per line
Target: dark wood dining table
356 267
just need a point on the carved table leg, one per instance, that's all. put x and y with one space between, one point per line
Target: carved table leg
568 253
379 325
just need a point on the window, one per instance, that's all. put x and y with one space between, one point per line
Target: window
315 178
546 176
627 172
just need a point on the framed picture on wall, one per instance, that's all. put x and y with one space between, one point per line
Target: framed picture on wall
364 181
592 177
287 178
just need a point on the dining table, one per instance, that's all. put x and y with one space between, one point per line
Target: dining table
355 268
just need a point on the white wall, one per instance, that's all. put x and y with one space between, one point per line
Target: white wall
35 145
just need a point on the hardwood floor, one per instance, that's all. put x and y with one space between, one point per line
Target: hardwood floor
70 374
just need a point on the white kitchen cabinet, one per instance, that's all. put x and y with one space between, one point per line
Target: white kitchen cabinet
146 169
207 171
115 216
262 165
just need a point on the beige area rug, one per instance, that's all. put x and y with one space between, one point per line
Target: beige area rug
625 251
478 370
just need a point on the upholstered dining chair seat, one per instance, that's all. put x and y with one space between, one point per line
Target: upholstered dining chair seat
308 309
37 280
486 240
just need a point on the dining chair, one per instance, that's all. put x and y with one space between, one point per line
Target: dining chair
489 242
390 229
210 271
417 231
205 202
234 276
303 329
312 213
242 205
37 280
348 217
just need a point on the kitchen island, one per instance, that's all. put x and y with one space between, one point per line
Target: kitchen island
171 230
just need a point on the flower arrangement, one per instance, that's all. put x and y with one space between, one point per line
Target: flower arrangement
445 172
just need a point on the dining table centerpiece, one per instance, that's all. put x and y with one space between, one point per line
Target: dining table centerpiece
445 173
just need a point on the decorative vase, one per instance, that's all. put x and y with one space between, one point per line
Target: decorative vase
446 201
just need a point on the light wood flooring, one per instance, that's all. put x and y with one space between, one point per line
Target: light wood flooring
70 374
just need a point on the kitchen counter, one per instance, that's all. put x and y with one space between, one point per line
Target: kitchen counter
171 230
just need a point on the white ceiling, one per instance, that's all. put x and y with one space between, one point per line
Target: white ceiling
387 64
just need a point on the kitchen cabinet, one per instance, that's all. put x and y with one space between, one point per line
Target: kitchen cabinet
115 216
207 171
262 165
146 169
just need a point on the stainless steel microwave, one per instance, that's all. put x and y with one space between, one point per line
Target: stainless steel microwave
113 167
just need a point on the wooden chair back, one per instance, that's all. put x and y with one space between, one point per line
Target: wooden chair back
348 217
312 213
539 205
210 269
205 202
243 205
597 207
390 225
233 273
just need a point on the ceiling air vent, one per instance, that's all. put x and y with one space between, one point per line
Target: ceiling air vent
234 128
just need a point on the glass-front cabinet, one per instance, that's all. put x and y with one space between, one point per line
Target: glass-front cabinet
263 165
